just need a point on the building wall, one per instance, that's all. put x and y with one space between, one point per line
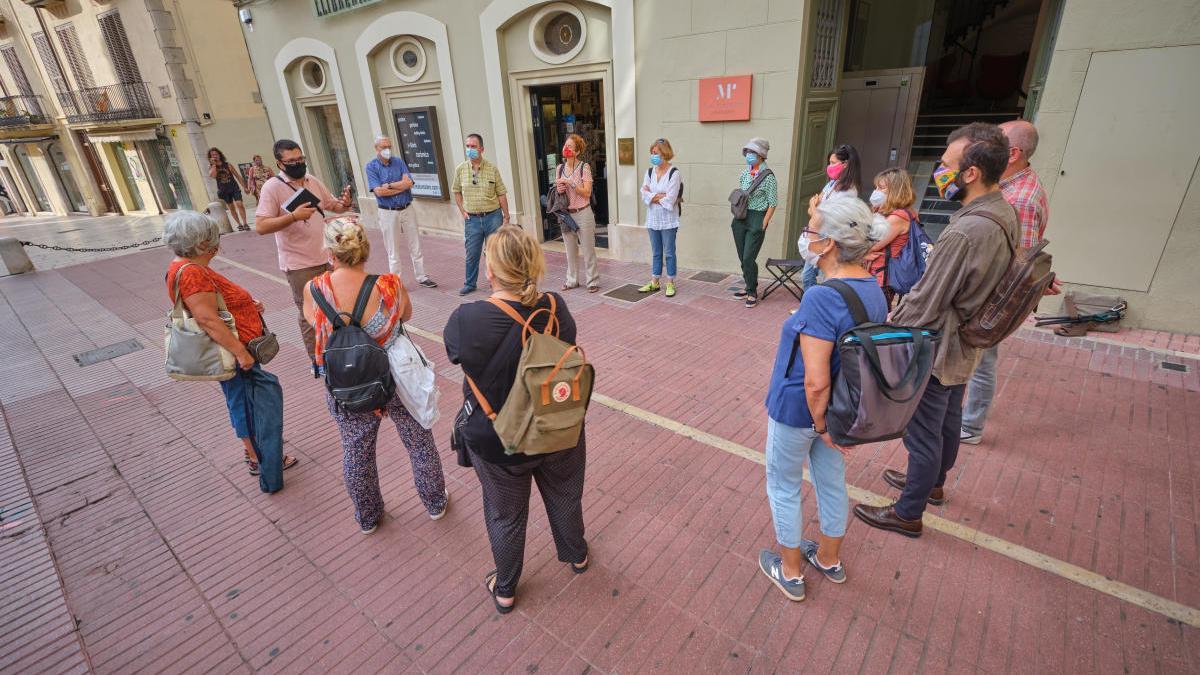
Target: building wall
1088 27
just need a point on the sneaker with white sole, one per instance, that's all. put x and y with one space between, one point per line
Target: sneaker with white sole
427 282
369 530
969 438
442 513
771 565
836 574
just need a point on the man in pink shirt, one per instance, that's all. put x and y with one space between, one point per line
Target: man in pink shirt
299 234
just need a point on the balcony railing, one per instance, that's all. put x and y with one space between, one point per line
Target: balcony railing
113 103
17 111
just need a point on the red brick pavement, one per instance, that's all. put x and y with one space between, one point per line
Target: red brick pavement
155 550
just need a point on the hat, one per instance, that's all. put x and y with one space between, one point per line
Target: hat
758 146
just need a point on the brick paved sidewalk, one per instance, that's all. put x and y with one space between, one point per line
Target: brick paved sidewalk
133 538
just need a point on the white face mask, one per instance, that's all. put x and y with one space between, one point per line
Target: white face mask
809 257
877 198
386 153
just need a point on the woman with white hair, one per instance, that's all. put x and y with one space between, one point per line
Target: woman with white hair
253 396
841 232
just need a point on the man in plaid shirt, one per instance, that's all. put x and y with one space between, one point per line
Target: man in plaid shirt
1021 188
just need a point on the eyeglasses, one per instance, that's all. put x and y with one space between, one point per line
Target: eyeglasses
298 160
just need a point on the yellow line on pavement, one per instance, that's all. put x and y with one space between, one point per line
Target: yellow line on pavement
1086 578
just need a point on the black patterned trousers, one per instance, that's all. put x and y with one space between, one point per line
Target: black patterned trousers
506 489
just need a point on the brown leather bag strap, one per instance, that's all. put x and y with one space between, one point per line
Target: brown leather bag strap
483 402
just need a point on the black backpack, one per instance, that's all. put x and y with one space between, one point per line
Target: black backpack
357 372
678 202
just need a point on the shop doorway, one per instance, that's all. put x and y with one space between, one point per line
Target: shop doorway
165 175
559 110
14 199
333 155
25 168
126 175
98 175
66 178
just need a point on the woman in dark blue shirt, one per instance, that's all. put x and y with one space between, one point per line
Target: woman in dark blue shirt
839 234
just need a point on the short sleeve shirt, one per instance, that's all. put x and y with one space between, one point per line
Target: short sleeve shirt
767 194
481 188
823 314
394 171
302 244
197 279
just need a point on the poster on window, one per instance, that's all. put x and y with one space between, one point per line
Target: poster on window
417 132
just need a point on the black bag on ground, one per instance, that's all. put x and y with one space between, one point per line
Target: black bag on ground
357 372
883 374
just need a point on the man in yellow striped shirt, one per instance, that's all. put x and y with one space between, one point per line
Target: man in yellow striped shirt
482 200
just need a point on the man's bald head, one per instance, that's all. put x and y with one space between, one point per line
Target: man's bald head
1023 135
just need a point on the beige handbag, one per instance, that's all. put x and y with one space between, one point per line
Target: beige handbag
191 353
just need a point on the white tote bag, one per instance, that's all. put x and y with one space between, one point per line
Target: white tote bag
191 353
416 383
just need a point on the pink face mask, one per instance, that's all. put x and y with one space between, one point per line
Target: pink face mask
835 171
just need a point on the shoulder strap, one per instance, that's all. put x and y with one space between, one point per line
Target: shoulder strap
648 172
858 311
758 180
322 303
1011 245
179 298
364 296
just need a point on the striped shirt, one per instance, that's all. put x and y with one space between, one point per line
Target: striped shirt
481 188
767 194
1025 192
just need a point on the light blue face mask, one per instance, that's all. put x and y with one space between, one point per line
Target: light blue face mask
655 159
472 153
751 158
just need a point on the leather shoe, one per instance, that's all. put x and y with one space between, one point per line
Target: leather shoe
937 496
885 518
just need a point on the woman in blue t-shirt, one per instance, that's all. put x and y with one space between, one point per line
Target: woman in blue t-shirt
839 234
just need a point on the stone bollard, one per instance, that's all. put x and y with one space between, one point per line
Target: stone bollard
218 211
14 256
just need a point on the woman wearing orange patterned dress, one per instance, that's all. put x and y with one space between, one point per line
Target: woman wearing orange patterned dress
387 308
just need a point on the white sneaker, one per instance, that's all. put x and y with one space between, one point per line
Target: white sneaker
442 513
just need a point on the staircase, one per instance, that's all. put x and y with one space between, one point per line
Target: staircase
929 142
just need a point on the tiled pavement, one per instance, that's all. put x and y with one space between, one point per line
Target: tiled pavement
133 540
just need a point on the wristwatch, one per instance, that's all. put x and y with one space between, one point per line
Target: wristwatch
819 431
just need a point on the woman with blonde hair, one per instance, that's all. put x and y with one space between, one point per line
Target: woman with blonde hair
661 189
574 178
387 307
483 339
894 199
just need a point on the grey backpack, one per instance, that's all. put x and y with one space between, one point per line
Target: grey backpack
883 374
739 199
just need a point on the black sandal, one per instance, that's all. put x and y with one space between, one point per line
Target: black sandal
580 570
489 582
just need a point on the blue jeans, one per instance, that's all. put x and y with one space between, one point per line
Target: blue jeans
477 229
787 449
808 278
255 402
662 246
980 392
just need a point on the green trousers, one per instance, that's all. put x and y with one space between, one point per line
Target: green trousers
748 238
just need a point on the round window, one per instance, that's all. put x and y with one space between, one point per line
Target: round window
557 33
408 59
312 74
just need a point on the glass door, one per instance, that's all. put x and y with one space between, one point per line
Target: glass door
135 195
558 111
331 139
31 177
66 178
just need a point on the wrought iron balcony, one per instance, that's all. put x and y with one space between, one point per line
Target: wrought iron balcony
113 103
20 111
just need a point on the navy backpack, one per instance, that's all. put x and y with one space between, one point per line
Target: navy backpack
906 269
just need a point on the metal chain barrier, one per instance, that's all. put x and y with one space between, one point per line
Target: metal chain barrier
104 249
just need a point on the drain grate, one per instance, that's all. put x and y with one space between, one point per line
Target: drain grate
627 293
108 352
709 277
1177 367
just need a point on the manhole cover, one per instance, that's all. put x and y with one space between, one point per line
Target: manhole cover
709 277
109 352
628 293
1177 367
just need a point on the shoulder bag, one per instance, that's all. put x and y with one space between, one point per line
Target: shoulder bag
191 353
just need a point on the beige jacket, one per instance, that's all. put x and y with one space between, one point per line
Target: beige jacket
966 264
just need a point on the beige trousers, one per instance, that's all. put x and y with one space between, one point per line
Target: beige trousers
584 240
397 224
297 280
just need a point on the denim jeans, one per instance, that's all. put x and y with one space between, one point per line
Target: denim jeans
787 449
258 400
662 247
980 391
932 441
477 229
808 277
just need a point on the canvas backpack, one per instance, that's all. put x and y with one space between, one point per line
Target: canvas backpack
906 269
358 374
884 370
679 199
739 199
1014 298
546 406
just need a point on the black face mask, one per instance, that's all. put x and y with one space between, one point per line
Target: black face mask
295 171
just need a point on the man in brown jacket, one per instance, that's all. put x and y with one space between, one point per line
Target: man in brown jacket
966 264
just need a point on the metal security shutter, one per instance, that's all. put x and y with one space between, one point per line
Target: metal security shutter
118 48
17 70
57 79
75 58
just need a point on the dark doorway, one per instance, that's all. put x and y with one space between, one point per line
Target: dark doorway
98 175
558 111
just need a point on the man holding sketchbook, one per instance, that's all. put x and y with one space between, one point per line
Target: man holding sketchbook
293 205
